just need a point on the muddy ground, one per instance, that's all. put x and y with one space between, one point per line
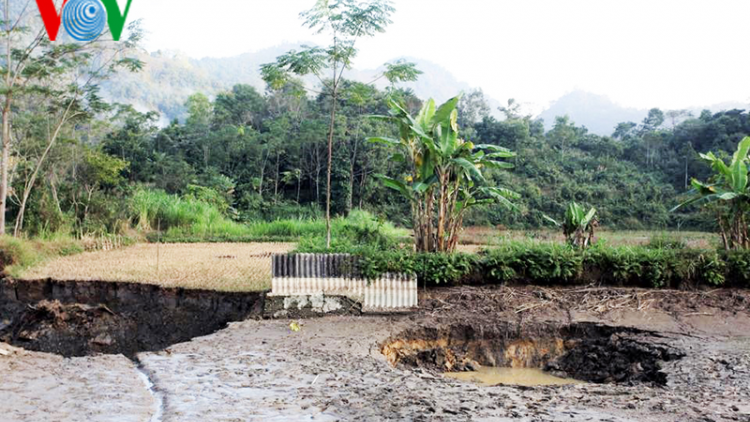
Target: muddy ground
333 368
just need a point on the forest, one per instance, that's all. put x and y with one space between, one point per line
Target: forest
262 156
78 165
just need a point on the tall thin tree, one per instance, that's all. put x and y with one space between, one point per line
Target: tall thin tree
345 21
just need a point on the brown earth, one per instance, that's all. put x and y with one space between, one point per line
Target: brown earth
333 368
82 318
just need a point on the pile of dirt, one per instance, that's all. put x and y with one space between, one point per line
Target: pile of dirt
584 351
83 318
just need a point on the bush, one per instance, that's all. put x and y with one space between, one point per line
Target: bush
156 210
737 268
430 268
542 263
18 254
666 241
358 233
556 264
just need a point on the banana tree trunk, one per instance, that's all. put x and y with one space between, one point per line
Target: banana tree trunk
442 211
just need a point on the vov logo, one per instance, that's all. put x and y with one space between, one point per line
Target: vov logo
83 19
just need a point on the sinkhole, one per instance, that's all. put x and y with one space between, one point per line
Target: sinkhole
77 318
534 354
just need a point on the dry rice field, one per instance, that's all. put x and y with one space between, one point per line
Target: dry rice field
215 266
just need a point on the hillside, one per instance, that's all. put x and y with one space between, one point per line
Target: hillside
600 115
168 78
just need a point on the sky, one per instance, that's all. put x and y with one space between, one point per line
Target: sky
641 53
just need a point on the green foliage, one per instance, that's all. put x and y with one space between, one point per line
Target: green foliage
261 155
555 264
360 231
430 268
187 219
17 254
666 241
157 210
445 173
728 187
738 267
544 263
578 225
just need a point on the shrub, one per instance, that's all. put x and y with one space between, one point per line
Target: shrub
18 254
543 263
555 264
357 233
666 241
738 267
430 268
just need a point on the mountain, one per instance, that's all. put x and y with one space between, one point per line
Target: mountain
597 112
601 115
169 78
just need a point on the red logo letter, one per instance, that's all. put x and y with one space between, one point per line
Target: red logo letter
51 18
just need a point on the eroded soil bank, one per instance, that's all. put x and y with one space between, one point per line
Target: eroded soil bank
82 318
583 351
333 368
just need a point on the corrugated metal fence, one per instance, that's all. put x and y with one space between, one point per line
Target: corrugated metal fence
338 274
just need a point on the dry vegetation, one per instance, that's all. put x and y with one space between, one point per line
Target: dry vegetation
215 266
532 301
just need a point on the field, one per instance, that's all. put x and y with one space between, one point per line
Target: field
247 266
215 266
481 236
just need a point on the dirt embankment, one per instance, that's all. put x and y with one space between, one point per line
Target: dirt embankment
584 351
333 369
81 318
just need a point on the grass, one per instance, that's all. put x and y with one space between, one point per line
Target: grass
474 237
212 266
18 254
175 219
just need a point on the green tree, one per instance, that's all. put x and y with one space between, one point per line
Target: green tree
65 75
446 177
243 106
472 109
345 21
729 188
578 226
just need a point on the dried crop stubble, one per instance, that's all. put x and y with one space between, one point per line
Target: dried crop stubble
214 266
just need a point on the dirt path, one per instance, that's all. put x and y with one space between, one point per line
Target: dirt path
333 370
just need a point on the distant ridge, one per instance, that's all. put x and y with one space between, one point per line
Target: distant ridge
601 115
597 112
169 78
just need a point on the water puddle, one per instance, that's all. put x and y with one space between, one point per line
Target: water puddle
527 377
157 396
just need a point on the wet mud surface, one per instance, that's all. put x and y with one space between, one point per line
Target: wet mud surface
333 369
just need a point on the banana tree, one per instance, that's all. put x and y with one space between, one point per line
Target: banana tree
578 225
727 188
445 178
